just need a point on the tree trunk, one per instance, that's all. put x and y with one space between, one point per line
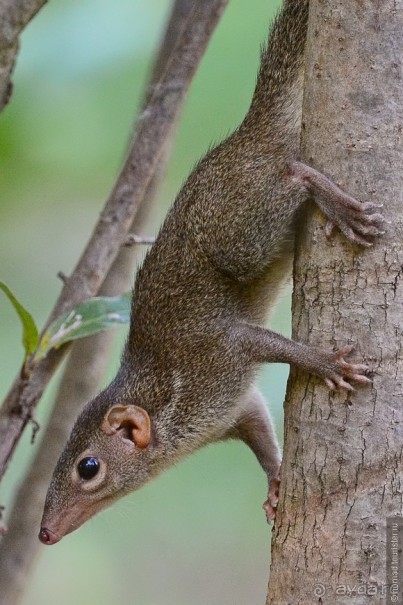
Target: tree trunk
342 468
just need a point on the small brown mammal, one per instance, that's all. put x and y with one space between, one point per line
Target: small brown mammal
201 296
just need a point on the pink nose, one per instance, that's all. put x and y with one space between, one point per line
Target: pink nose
47 537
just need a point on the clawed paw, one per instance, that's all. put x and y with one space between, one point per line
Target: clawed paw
270 506
360 223
345 371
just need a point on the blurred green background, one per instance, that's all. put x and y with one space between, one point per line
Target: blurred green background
197 535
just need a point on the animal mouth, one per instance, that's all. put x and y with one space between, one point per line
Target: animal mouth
46 536
55 527
65 523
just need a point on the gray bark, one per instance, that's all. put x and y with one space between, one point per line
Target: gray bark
14 16
342 470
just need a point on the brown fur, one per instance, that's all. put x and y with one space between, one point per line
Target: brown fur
205 287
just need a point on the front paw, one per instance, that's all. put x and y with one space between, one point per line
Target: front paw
341 372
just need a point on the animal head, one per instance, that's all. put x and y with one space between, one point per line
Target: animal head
109 453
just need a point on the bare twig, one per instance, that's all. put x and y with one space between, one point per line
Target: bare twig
3 528
62 276
132 239
18 547
120 209
14 16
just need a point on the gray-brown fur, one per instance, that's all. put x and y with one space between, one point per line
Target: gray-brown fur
206 287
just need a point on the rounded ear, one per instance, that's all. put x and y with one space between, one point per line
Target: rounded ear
131 422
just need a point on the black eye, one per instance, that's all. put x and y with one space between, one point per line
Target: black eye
88 467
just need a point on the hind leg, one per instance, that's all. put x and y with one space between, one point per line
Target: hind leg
255 428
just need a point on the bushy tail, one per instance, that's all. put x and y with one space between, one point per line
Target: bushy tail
276 105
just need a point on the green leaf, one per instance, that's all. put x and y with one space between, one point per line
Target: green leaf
30 335
90 317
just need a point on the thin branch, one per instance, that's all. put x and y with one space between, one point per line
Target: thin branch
3 528
132 239
14 16
152 130
82 377
111 230
18 547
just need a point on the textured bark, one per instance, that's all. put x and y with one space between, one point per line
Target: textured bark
82 377
342 470
110 232
14 16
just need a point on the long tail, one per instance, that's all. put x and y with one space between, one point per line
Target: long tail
275 111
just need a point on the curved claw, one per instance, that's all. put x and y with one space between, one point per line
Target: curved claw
361 378
357 367
344 351
329 229
270 511
342 384
371 206
330 384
